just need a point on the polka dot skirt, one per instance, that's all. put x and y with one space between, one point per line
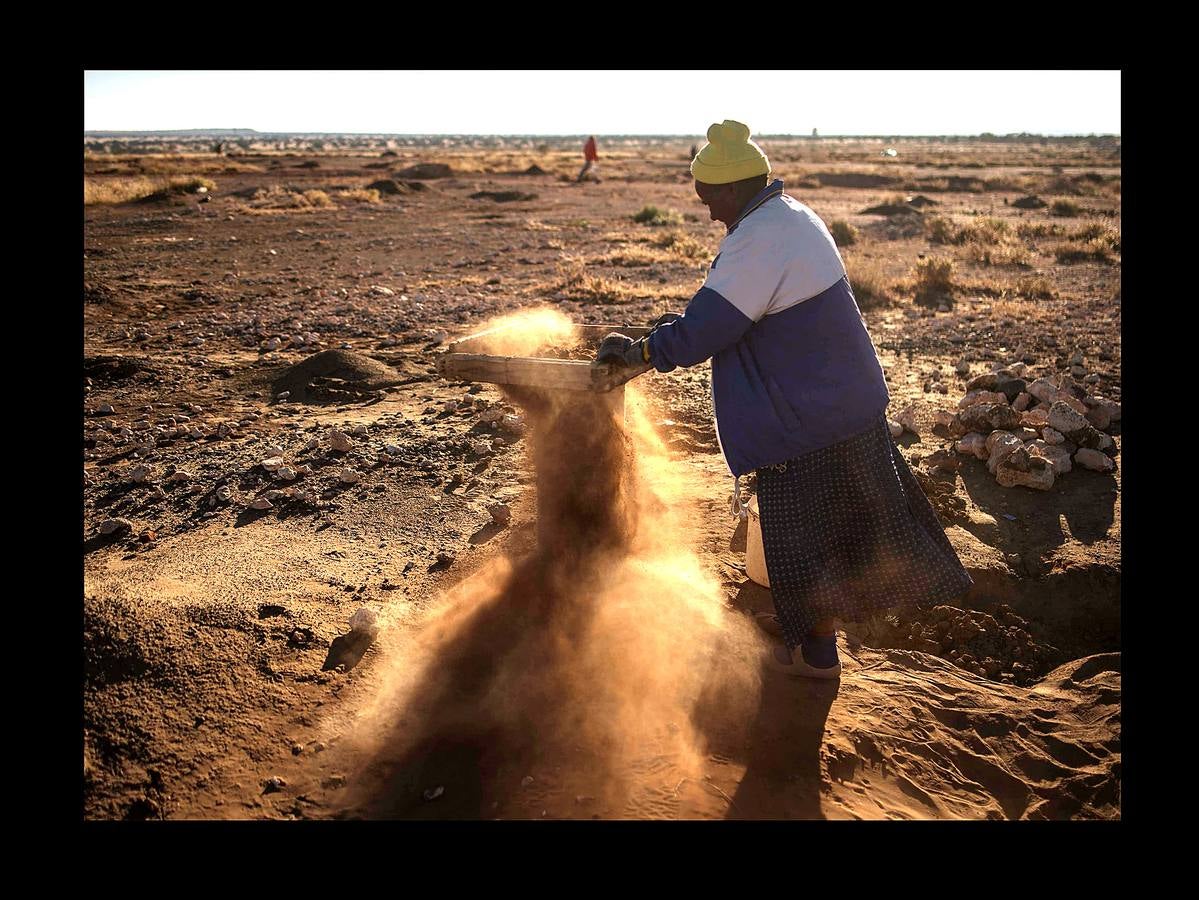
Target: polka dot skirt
848 532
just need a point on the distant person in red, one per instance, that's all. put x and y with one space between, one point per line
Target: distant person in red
590 157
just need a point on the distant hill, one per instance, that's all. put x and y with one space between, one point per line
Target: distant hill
182 132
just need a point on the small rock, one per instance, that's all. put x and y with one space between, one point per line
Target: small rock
973 398
973 444
224 493
450 406
988 417
272 463
273 784
907 419
360 430
896 428
283 395
962 368
141 473
1065 419
1052 436
287 473
1094 460
1057 457
1022 401
526 781
500 513
340 442
1001 445
1100 417
365 621
1038 474
348 475
115 526
262 503
1035 418
312 444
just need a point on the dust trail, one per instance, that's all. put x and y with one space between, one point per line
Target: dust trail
606 645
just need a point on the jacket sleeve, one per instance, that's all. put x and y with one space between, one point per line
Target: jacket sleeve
739 289
708 325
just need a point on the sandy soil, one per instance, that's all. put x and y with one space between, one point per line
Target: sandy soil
222 679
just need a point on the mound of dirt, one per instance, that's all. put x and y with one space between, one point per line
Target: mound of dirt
920 201
502 196
427 170
114 368
98 293
388 186
854 179
335 375
892 209
1029 203
535 170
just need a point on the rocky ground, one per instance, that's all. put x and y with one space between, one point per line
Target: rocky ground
268 451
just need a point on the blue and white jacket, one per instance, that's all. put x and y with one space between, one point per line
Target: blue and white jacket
793 367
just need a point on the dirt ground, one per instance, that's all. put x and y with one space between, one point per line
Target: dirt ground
250 322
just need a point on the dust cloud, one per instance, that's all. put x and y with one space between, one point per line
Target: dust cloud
607 645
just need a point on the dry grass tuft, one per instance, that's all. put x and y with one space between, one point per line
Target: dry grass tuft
632 256
1005 254
651 215
1097 250
1065 208
578 284
124 190
682 244
1093 242
869 283
843 233
933 279
360 195
1040 229
286 199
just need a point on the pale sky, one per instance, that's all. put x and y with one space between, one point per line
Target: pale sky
547 102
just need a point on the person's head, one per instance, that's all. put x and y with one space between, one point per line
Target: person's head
729 170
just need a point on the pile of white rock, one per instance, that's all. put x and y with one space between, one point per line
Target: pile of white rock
1030 433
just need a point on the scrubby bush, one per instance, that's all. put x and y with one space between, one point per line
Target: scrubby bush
651 215
843 233
934 278
1065 208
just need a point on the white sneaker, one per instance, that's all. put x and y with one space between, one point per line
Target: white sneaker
798 666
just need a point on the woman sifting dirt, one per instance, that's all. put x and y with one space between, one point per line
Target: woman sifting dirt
799 396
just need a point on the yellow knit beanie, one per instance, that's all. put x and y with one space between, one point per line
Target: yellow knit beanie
729 155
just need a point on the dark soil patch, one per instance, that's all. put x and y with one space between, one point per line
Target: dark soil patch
892 209
502 196
98 293
854 179
388 186
427 170
114 368
1029 203
336 371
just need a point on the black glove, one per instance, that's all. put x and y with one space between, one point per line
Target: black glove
617 348
665 319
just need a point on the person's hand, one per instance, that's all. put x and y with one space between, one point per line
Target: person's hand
622 350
